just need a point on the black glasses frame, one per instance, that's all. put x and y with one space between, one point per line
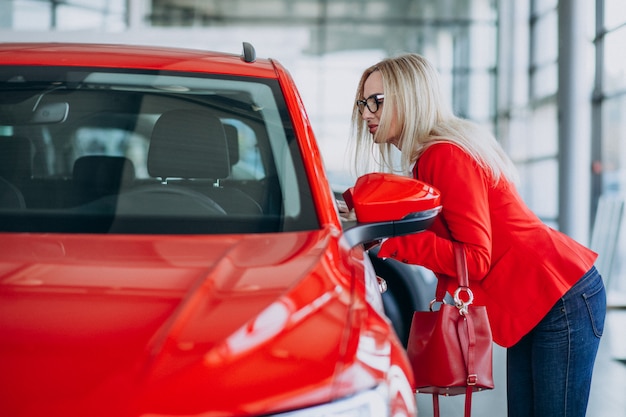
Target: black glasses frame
372 103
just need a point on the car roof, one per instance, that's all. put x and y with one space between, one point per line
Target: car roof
133 56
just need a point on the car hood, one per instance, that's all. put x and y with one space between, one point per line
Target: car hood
169 325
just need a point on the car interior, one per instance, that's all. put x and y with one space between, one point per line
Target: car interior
87 151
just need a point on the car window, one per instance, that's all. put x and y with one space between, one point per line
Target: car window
248 163
92 151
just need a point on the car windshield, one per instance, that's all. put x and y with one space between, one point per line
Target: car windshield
86 150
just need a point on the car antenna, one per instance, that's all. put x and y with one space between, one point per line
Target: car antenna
249 54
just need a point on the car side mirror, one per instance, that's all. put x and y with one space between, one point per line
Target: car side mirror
389 205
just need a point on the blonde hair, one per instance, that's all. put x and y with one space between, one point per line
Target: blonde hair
413 96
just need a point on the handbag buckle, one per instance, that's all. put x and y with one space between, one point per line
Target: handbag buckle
435 301
472 379
461 304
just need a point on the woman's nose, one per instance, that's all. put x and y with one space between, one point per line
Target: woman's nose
366 114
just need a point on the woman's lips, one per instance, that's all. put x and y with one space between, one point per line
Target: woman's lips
372 128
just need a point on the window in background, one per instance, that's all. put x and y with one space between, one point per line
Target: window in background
609 116
543 143
65 15
343 37
27 15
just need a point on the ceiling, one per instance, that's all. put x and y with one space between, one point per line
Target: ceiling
334 24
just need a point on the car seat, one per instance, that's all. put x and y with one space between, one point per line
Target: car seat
189 148
97 176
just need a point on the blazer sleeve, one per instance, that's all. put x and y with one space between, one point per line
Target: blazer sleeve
465 217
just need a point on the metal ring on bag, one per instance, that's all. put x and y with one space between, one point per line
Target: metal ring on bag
463 305
433 302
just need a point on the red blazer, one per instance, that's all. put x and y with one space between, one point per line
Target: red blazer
518 266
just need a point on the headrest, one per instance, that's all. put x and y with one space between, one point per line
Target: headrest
188 144
102 171
16 157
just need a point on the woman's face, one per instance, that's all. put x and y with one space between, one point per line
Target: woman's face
374 86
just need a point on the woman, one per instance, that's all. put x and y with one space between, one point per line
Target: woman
545 299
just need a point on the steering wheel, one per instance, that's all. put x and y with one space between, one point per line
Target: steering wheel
167 199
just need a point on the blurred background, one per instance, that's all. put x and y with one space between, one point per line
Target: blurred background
547 76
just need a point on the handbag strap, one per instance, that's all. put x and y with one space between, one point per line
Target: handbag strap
461 272
466 325
461 264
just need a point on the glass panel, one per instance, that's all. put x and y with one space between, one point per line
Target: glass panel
148 152
182 13
543 6
31 15
480 102
245 145
481 9
614 145
421 11
545 40
539 187
116 6
534 135
90 4
483 42
615 60
614 174
544 81
78 18
516 133
544 136
614 13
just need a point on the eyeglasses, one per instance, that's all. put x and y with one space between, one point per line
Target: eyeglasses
372 103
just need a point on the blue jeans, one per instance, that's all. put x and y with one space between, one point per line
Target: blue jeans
549 370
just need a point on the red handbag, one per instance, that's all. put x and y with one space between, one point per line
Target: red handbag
451 349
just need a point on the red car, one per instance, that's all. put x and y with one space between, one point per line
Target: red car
170 245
